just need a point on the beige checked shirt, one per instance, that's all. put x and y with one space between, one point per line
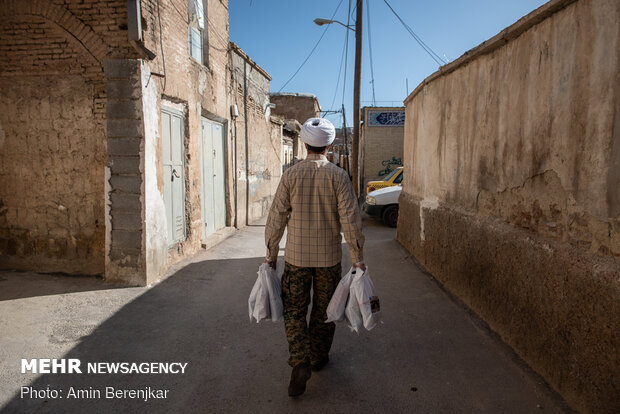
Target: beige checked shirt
315 198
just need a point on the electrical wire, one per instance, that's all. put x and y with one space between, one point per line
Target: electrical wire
344 81
372 72
161 45
342 58
184 17
224 44
438 59
352 11
256 85
313 49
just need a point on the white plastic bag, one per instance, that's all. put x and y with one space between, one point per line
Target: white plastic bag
253 295
338 302
261 307
363 290
352 310
274 288
265 298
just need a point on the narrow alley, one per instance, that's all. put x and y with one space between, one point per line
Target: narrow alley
429 356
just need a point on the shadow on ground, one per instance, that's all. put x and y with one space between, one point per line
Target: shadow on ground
182 319
36 284
429 356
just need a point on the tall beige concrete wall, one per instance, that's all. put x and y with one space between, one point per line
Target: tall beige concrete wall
511 191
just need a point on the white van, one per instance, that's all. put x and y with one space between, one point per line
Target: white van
383 204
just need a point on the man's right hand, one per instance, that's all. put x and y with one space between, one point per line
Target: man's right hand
271 263
360 265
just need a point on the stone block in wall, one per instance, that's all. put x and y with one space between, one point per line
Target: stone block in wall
121 68
118 128
125 109
126 257
124 220
126 183
124 88
125 202
124 165
124 239
124 146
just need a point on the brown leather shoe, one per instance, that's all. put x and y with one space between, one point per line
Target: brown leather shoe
300 375
317 366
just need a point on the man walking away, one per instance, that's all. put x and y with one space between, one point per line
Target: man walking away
315 200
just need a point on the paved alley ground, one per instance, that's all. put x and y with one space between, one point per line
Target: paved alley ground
429 356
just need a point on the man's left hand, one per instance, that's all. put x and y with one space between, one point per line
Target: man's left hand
360 265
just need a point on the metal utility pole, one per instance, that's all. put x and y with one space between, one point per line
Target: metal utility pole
356 99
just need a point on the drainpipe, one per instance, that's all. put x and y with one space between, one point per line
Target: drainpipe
247 161
235 113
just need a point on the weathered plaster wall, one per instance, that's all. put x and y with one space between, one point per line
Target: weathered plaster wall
155 231
299 106
511 191
261 156
382 146
197 90
265 168
52 157
53 91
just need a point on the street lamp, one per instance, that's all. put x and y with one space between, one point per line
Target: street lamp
321 22
356 91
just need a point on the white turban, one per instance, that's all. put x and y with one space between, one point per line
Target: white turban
318 132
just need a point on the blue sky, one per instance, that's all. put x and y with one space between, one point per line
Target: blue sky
279 34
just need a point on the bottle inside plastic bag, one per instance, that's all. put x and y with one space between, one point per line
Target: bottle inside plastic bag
363 307
367 299
352 309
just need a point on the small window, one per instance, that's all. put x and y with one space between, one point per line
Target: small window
195 44
399 179
390 175
196 25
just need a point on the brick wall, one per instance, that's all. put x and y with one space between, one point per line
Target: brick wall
297 107
48 36
51 176
69 43
196 90
382 147
53 99
264 139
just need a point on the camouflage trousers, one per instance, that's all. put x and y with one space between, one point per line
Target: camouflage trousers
308 342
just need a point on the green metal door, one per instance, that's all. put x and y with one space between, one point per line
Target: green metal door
174 174
213 177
